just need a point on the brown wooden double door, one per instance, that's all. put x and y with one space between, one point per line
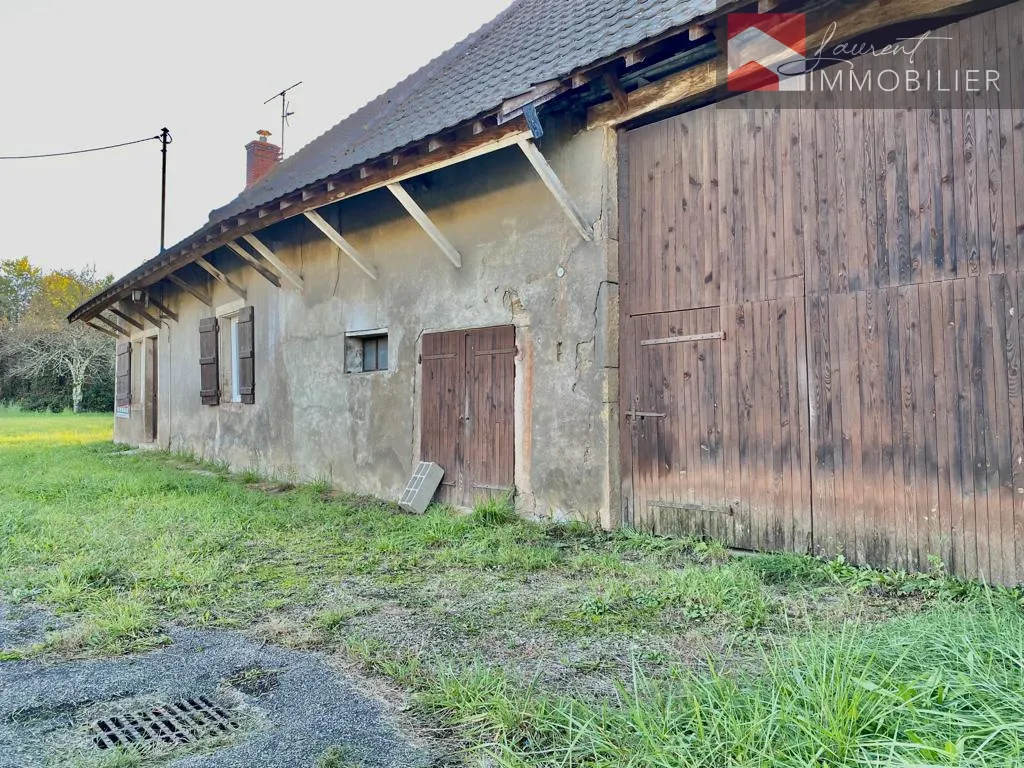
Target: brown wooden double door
468 411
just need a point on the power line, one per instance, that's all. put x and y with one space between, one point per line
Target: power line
80 151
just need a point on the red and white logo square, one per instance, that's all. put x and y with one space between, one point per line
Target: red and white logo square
766 51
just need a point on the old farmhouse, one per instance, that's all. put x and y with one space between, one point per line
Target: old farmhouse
562 261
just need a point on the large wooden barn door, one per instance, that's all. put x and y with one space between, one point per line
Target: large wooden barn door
715 436
468 411
867 268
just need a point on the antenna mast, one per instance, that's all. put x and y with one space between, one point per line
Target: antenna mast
285 114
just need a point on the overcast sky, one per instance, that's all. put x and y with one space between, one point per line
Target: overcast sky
78 74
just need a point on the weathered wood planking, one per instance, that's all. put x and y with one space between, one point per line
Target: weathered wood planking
864 265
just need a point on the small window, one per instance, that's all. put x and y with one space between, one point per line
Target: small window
375 353
366 351
230 382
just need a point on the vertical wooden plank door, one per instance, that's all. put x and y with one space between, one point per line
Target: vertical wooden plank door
467 411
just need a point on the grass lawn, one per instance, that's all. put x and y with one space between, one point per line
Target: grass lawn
529 644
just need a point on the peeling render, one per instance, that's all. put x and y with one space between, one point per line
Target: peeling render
524 264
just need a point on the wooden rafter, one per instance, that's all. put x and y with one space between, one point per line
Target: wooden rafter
195 292
275 261
253 262
220 277
424 221
117 328
127 318
335 237
162 307
557 189
95 327
142 312
611 82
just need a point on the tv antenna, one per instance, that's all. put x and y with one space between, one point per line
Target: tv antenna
285 114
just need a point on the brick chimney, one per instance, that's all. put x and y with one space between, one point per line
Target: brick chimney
260 158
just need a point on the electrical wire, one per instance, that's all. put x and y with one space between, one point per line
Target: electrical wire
79 151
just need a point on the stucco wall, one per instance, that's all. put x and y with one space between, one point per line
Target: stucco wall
360 431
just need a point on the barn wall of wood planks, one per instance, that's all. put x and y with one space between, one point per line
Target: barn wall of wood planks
821 325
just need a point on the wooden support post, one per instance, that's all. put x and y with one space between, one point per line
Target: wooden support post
195 292
424 221
162 307
335 237
253 262
555 186
113 325
95 327
220 277
272 258
127 318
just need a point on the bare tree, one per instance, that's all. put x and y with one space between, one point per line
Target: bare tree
75 350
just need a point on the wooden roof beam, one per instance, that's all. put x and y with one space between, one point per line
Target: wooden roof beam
275 261
117 328
220 277
554 184
140 310
101 329
195 292
253 262
335 237
162 307
424 221
127 318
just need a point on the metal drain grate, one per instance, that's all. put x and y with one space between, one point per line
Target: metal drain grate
184 722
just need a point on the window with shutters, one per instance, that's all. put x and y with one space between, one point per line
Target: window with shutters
227 357
123 380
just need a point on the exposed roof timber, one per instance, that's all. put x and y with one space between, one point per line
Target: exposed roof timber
95 327
683 86
195 292
611 82
140 310
162 307
272 258
112 324
555 186
424 221
539 94
253 262
343 185
220 277
127 318
335 237
698 31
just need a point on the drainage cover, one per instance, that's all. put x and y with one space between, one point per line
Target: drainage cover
184 722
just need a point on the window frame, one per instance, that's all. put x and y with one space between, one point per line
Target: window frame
227 345
367 340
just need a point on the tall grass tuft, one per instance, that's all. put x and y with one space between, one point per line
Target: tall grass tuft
944 688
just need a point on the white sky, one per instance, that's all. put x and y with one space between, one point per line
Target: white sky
78 74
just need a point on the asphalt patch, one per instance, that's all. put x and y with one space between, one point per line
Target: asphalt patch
293 706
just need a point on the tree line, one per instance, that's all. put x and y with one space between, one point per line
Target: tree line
45 363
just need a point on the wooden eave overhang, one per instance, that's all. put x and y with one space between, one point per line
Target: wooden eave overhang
596 87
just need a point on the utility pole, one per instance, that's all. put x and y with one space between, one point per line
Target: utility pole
165 139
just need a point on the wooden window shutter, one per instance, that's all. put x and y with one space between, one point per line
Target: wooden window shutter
246 356
123 375
209 372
